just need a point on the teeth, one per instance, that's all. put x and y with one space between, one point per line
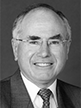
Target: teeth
43 64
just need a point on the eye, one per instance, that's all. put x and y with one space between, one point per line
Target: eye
55 42
34 42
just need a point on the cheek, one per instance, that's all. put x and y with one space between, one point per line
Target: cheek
60 54
26 52
62 58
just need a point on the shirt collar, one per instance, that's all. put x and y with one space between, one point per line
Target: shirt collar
33 92
29 86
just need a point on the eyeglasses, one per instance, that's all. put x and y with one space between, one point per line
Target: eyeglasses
54 42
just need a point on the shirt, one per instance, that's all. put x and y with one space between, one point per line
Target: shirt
36 99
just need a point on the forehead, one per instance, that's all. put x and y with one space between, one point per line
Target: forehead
43 23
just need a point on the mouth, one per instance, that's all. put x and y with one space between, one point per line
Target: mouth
43 64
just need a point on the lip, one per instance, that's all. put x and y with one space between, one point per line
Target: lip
43 64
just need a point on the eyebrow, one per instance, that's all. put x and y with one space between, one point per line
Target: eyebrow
34 37
58 36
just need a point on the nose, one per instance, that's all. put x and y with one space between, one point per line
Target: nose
44 51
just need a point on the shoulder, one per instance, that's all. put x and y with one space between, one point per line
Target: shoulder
5 92
5 83
66 86
72 92
5 87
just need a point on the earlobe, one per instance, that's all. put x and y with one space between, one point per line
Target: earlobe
15 48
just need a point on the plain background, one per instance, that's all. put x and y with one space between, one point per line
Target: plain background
11 8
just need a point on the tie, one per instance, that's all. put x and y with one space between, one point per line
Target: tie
45 95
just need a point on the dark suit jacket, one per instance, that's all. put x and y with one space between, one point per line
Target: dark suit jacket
14 94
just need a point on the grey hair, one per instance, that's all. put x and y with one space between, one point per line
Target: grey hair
17 25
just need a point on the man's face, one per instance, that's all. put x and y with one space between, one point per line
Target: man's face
42 58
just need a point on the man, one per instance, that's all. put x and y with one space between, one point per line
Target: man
41 41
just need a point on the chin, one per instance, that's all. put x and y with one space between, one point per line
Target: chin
45 77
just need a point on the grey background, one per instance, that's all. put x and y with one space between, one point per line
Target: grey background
11 8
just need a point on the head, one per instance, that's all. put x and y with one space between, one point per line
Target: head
41 40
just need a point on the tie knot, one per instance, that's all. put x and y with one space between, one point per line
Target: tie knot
45 94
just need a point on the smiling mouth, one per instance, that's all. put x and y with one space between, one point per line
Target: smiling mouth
43 64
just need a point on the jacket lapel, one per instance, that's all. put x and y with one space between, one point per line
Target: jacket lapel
63 99
59 97
20 96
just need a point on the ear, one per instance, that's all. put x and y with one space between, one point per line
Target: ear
68 47
15 48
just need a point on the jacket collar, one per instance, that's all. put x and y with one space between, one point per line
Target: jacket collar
64 101
20 96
